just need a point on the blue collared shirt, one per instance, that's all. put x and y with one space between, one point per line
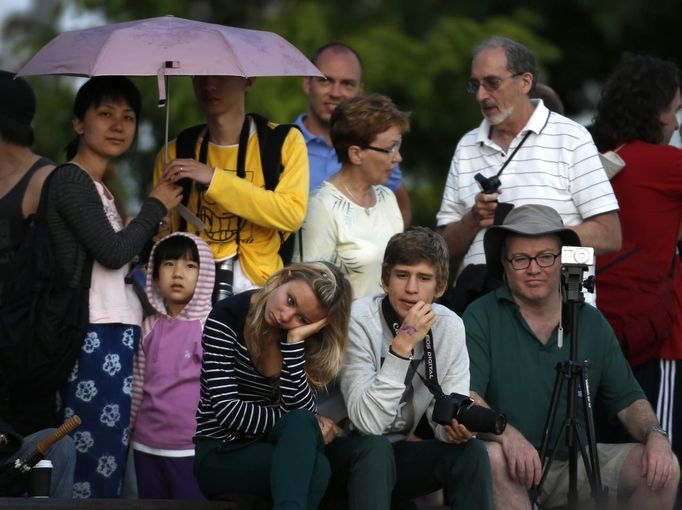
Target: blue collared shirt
324 163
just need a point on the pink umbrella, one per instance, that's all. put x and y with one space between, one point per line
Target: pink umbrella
167 46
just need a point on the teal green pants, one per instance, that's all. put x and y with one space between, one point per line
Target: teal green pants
369 473
288 465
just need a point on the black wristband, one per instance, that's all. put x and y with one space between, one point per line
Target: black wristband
390 349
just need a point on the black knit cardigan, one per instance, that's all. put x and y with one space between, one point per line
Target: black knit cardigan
79 229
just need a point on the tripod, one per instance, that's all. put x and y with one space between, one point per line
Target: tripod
576 373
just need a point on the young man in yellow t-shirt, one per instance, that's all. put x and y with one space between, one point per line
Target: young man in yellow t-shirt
243 220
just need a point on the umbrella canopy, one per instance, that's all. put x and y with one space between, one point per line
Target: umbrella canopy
167 46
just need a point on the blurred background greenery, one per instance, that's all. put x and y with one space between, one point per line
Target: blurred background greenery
417 52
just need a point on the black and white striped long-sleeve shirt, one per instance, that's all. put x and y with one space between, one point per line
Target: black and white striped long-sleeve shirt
236 400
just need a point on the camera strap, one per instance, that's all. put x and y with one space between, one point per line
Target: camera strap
431 379
514 153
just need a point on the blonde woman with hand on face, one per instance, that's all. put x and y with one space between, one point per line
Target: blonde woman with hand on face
264 351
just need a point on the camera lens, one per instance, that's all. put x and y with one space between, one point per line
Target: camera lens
581 255
482 419
462 408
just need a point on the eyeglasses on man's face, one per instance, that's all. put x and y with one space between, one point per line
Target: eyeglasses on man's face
490 83
391 151
520 262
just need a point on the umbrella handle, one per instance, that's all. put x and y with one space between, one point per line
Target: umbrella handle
65 428
164 92
42 447
167 103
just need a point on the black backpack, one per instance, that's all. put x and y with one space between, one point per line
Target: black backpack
270 141
42 318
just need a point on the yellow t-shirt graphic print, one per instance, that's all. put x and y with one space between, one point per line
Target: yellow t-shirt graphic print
232 204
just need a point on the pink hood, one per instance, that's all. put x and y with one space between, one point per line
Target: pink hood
200 304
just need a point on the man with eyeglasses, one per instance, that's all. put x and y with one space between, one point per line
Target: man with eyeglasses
549 159
342 69
514 343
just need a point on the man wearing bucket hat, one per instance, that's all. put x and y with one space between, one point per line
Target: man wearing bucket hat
514 343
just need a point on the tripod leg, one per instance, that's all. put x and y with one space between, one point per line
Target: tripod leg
572 439
551 415
598 492
549 424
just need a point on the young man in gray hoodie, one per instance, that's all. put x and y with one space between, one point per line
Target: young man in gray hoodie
396 339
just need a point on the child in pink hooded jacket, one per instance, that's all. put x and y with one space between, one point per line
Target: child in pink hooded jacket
167 367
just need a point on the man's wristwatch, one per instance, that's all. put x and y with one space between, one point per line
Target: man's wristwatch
658 430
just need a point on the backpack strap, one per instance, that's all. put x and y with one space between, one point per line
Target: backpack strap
185 147
186 141
270 142
241 149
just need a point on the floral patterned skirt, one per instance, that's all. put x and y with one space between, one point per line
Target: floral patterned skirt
99 390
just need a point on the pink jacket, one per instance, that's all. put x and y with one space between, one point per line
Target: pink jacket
167 366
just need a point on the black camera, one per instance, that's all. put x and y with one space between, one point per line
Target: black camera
462 408
488 184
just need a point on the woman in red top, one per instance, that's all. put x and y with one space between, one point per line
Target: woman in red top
640 287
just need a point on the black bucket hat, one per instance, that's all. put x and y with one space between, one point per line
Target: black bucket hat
526 220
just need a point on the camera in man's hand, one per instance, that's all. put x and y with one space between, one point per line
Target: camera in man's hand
488 184
462 408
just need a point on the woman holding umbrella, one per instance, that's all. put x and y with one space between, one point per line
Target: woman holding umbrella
92 248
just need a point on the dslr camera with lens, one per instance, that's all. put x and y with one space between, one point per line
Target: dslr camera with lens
462 408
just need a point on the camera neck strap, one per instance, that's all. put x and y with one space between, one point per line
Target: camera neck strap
511 156
431 379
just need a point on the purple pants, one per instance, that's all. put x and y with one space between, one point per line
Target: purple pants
165 477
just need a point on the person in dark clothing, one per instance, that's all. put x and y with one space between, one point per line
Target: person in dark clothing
22 174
